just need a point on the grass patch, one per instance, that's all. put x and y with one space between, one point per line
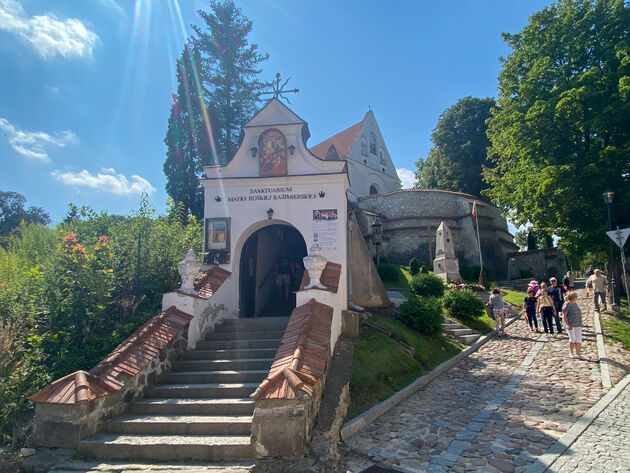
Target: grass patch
617 327
515 298
381 367
483 324
402 282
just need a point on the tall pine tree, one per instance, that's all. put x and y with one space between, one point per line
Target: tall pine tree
217 94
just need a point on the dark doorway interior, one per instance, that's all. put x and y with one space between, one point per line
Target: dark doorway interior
269 252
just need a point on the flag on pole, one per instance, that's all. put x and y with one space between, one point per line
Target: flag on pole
474 213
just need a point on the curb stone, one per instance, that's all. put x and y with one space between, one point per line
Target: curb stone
547 459
357 424
601 353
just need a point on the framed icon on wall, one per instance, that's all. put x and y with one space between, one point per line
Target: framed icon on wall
272 153
217 250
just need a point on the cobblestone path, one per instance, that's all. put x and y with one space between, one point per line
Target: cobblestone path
496 410
604 445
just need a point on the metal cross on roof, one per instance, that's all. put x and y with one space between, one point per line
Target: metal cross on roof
278 90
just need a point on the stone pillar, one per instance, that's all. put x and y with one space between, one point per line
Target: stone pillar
188 269
445 264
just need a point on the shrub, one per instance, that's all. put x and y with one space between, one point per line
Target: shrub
388 271
526 273
469 272
424 270
382 259
463 305
483 279
423 314
414 267
427 285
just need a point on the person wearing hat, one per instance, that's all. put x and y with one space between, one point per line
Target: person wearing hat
556 293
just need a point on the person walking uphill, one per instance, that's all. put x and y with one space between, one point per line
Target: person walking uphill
572 316
529 305
598 283
546 308
498 309
557 296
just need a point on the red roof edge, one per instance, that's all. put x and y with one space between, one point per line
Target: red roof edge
128 359
302 358
329 278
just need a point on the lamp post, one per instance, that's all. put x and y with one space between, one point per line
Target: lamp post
377 237
608 199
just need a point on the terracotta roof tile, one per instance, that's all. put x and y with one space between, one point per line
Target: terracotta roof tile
208 282
342 142
127 359
329 278
302 357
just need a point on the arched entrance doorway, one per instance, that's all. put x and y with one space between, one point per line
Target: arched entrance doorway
271 270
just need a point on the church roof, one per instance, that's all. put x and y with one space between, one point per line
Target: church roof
342 142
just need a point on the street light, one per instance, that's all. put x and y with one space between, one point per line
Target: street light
608 199
377 237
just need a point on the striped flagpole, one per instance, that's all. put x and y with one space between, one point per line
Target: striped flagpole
474 214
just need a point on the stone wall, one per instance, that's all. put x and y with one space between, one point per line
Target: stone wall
542 264
63 424
411 217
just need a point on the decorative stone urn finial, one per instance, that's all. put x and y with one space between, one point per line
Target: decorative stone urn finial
188 269
314 263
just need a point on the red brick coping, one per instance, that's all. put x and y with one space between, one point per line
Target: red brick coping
329 278
301 359
110 374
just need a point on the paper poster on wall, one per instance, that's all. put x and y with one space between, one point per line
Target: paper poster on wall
325 228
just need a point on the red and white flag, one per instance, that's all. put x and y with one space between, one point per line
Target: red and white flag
474 212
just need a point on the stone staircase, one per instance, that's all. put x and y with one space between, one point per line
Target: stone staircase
201 410
460 332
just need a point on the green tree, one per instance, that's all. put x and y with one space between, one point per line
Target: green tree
459 153
217 93
12 213
561 131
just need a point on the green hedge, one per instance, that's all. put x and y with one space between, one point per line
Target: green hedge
427 285
463 305
423 314
388 272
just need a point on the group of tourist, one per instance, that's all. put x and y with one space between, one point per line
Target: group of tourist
545 304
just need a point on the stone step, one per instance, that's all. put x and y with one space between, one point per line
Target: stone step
222 365
228 376
193 406
231 354
253 323
245 335
237 344
180 425
460 331
209 390
169 447
469 339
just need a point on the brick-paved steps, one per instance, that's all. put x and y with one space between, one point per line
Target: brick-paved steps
201 410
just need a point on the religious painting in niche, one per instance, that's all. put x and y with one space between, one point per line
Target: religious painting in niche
217 249
363 146
272 151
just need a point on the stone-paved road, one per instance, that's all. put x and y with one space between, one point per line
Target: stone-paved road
497 410
604 445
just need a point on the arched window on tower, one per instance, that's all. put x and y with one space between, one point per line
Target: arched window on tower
372 143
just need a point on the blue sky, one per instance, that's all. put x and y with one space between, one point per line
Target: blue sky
85 85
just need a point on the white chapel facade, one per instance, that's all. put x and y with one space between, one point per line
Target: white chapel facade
273 199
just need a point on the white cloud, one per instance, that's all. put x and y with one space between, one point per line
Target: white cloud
31 144
407 177
48 35
107 180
